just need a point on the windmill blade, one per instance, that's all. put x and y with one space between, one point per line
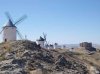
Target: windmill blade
8 16
20 20
19 34
1 30
44 36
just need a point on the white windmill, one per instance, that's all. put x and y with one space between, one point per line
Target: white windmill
42 40
10 30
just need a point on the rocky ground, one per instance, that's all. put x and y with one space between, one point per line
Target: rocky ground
21 57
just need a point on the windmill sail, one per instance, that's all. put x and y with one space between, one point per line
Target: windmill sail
19 34
20 20
1 31
8 16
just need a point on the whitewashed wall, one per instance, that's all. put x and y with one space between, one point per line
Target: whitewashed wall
41 43
9 33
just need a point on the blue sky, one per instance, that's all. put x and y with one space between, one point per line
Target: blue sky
64 21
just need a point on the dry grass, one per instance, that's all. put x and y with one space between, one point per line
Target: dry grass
92 59
89 60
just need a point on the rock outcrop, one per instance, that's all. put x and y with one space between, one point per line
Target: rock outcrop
21 57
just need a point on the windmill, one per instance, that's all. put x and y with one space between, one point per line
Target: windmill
42 40
10 30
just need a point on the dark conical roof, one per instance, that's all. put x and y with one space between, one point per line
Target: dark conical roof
41 39
9 24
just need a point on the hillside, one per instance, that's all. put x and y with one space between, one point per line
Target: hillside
24 57
90 59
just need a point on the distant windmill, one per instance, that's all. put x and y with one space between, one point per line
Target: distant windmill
42 40
10 29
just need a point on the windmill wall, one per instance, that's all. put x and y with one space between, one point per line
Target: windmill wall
41 43
9 34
